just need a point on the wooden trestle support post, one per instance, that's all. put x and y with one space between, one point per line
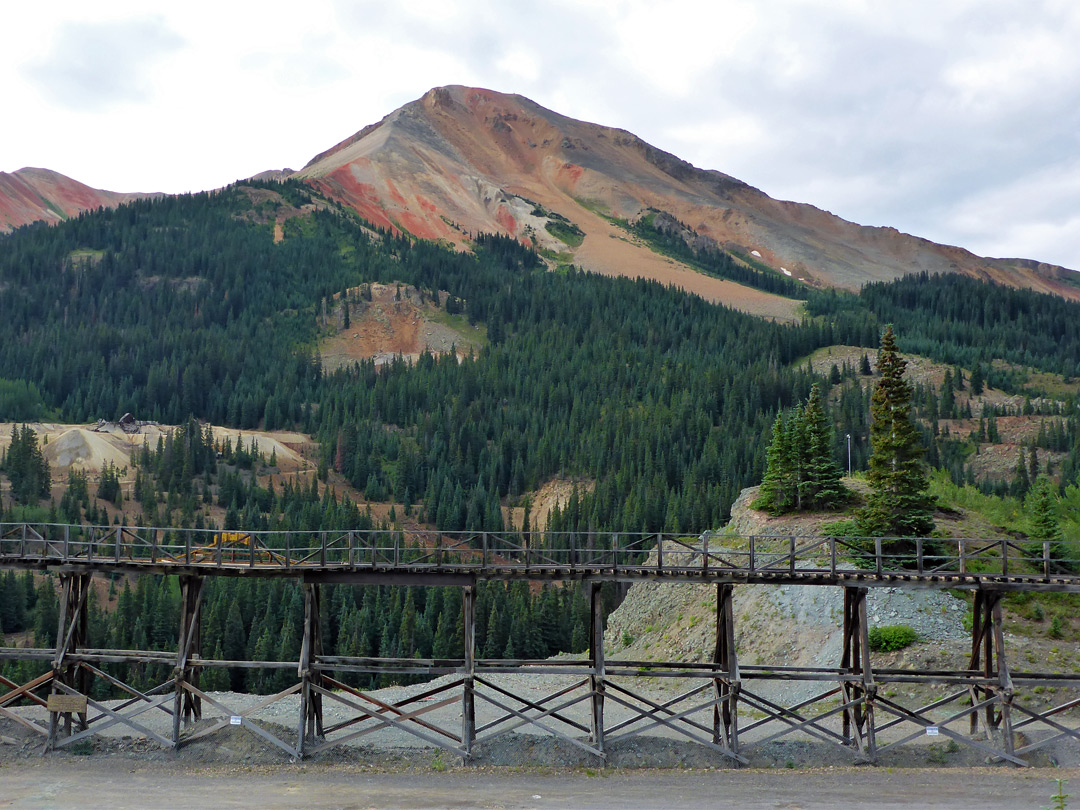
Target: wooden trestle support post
859 689
988 656
468 685
596 665
311 705
71 634
187 705
726 710
851 706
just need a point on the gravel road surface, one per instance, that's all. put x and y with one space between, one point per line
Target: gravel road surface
64 785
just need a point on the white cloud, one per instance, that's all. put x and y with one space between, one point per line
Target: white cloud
1041 208
957 121
96 65
727 134
519 63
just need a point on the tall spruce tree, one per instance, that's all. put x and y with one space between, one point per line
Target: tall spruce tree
898 503
778 487
1041 506
800 472
26 466
821 486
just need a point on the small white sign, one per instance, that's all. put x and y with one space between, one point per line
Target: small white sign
237 720
931 731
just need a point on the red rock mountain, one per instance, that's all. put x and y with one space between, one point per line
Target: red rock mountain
32 194
464 159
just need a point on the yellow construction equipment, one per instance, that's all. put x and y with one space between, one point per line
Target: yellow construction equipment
235 547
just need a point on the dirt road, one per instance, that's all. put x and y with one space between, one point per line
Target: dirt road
66 785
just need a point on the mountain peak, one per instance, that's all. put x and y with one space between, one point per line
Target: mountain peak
461 160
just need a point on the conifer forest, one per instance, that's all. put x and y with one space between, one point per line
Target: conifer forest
184 310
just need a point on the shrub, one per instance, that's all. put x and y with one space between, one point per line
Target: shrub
840 528
566 232
892 637
1056 629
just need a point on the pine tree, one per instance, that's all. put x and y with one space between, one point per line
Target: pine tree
800 470
1021 481
215 679
796 426
821 486
977 379
778 486
234 647
26 466
898 503
948 397
1041 506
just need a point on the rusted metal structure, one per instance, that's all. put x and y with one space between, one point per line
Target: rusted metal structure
719 710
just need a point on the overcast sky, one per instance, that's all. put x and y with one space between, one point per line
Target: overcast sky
957 120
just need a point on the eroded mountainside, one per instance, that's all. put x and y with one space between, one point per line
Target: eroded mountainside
29 195
462 159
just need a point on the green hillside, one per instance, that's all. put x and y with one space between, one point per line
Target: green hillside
187 307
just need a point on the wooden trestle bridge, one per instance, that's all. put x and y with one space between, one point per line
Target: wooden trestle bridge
979 707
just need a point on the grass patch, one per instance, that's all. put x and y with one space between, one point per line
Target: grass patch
86 255
566 232
563 258
602 211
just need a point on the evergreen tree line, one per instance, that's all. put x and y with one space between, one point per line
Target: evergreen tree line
964 321
801 472
26 467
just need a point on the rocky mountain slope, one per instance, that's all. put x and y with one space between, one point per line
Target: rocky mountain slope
462 159
793 625
29 195
390 321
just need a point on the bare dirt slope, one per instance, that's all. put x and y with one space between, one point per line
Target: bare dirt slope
609 251
397 321
90 448
555 492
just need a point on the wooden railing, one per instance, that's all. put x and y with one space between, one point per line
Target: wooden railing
542 554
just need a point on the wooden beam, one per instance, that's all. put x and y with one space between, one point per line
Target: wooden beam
468 690
596 657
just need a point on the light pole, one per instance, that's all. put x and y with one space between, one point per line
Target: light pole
849 455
